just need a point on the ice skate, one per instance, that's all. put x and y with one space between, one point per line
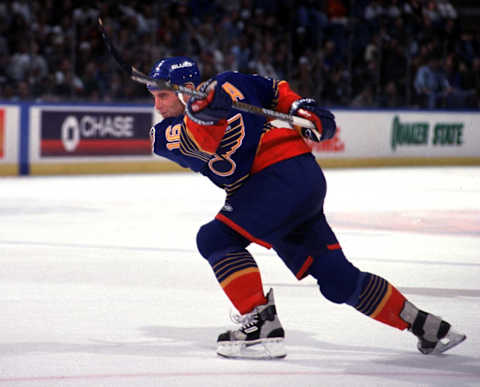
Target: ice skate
260 337
435 335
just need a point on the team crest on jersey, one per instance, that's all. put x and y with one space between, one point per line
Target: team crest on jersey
222 163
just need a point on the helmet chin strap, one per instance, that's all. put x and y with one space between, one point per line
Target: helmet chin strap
180 97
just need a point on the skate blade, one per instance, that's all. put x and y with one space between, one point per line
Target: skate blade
264 349
451 340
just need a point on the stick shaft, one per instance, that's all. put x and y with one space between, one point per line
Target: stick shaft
245 107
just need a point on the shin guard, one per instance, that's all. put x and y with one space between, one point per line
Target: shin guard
234 267
239 276
381 301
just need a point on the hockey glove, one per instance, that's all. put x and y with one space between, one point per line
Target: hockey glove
323 120
211 109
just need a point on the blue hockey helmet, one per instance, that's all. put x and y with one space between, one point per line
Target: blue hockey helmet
177 70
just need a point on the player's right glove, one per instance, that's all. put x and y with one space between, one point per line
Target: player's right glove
211 109
323 119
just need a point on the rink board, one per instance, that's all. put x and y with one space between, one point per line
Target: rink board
46 139
403 138
9 139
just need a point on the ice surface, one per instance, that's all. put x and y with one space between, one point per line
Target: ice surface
101 283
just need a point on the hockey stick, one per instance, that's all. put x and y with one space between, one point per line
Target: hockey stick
140 77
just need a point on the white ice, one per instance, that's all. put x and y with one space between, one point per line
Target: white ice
101 283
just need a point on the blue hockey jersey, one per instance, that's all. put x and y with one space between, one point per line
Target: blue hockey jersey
231 163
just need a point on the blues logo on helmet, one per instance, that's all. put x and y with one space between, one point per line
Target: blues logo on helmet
177 70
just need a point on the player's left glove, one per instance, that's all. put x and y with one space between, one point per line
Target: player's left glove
211 109
323 119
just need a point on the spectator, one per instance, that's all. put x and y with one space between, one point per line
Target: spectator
365 98
264 67
91 89
431 11
337 89
431 83
312 18
38 63
461 80
475 72
303 76
19 63
67 84
359 44
394 64
390 98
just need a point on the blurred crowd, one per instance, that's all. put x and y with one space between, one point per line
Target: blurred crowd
357 53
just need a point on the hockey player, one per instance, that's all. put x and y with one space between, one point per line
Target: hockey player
274 197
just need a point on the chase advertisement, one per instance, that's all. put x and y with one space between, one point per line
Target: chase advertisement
85 133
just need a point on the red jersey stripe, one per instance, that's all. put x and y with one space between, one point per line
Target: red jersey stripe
230 223
303 270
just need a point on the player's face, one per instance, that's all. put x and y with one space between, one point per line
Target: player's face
167 103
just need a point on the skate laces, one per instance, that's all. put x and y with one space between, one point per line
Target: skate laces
245 320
